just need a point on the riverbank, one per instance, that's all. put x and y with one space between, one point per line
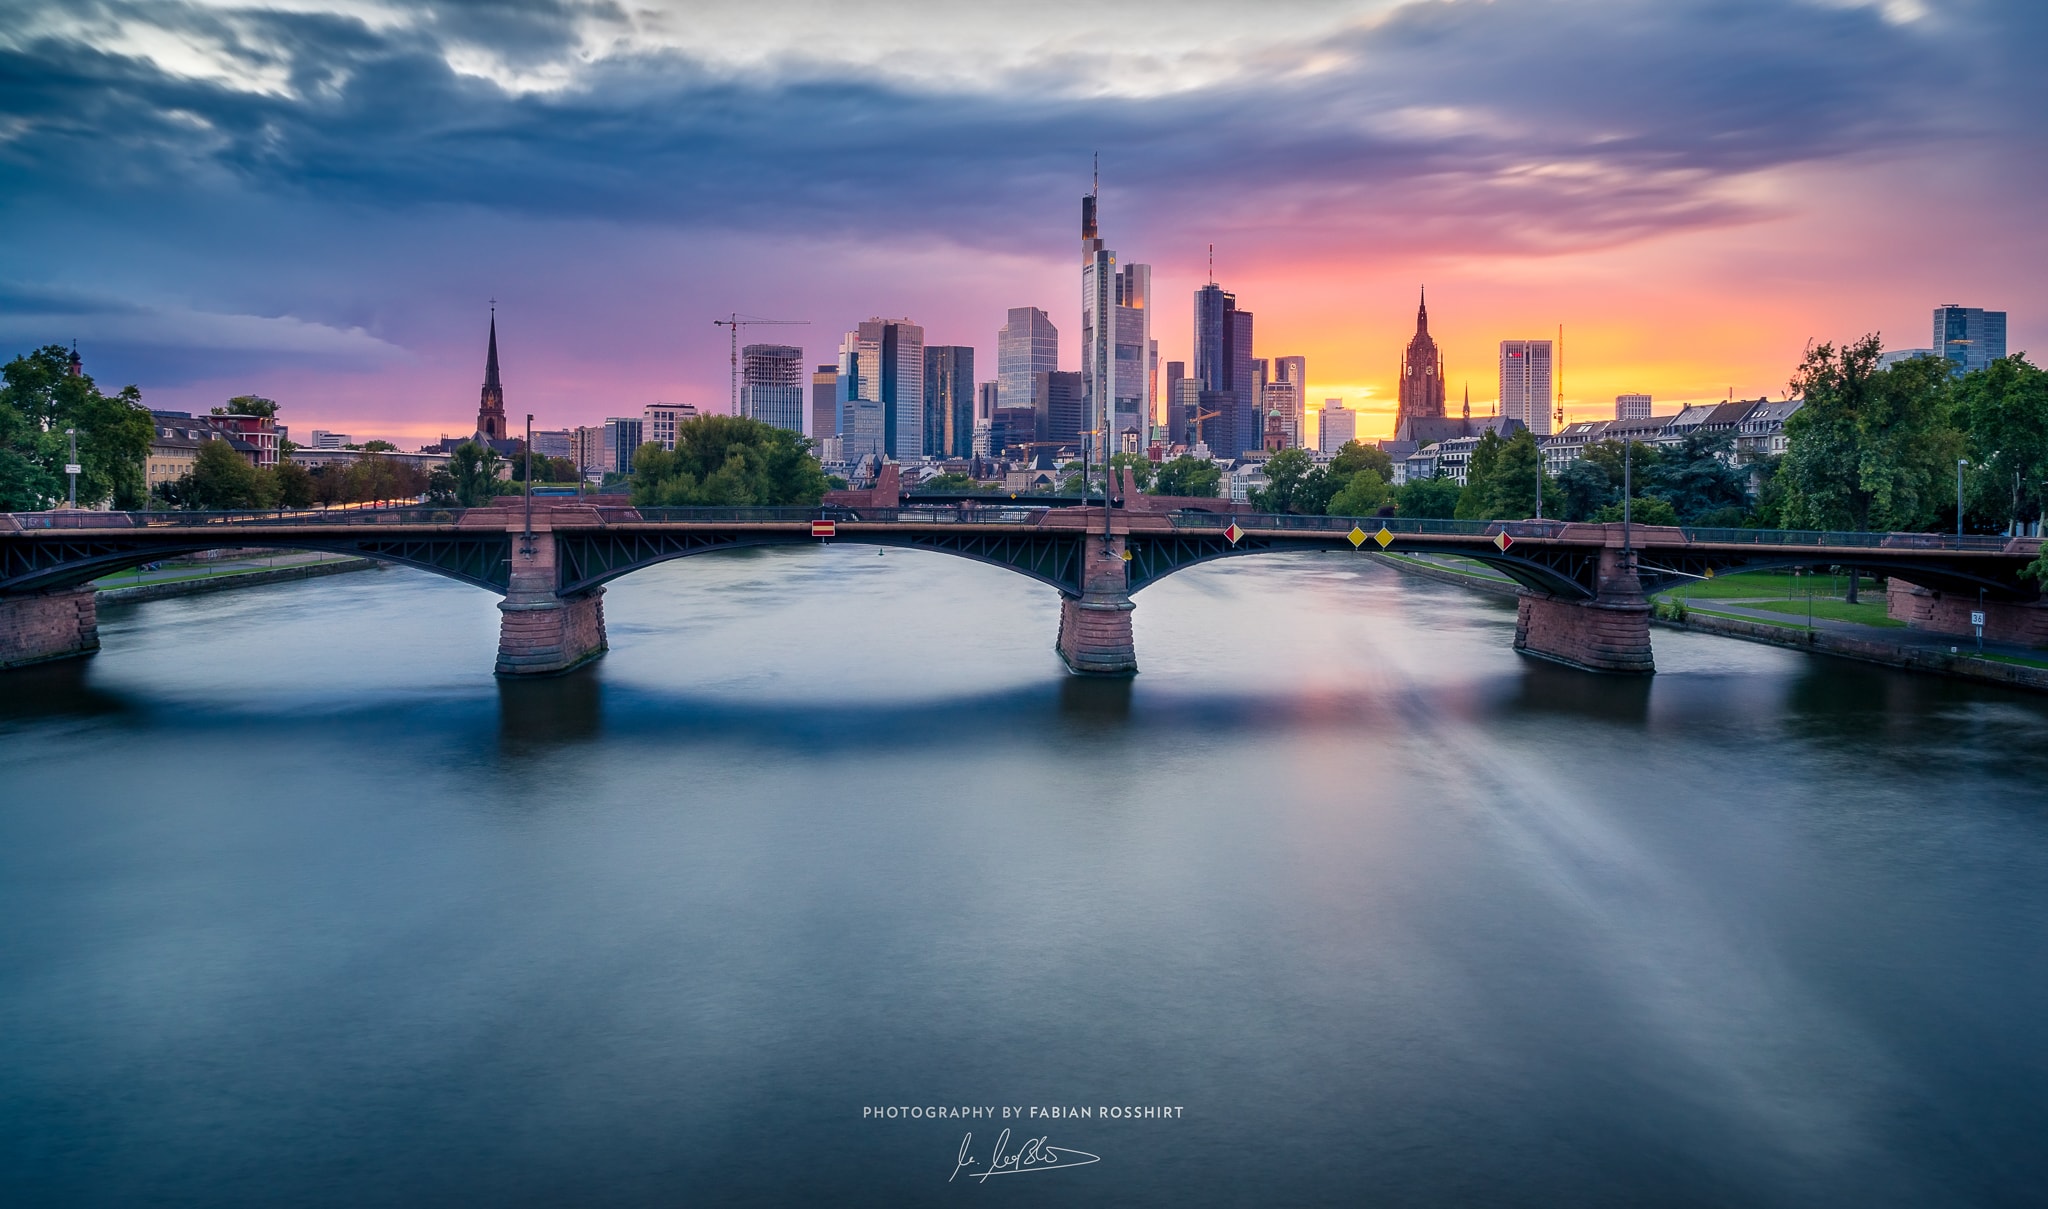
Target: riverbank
220 580
1889 645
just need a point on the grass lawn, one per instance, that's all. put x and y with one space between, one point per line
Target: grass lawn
2021 660
1764 584
1868 612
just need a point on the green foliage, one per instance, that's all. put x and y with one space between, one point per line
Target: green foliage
475 467
1476 501
1582 490
545 469
382 480
1354 457
292 485
1139 465
1608 455
1363 494
1511 488
1645 510
248 405
1871 448
946 484
1188 476
441 486
2004 407
1295 484
38 401
1429 498
1700 477
728 460
222 480
379 447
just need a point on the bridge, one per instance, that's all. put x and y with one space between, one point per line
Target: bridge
1584 599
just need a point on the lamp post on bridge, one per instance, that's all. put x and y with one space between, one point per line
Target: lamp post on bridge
1960 463
71 468
526 538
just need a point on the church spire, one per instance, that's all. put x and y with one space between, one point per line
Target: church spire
1422 313
491 359
1468 400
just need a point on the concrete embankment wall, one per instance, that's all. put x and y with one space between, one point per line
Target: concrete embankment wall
221 583
1494 587
1910 658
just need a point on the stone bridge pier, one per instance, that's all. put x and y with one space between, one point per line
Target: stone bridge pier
541 632
1609 633
38 626
1095 627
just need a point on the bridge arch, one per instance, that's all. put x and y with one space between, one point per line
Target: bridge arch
479 559
591 559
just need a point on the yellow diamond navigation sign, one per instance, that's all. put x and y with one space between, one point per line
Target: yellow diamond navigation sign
1383 537
1357 536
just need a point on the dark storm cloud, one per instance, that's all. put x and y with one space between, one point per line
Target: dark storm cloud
1519 123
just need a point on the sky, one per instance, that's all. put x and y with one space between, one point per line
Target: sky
318 200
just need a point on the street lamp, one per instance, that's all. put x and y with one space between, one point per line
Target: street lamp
71 467
1960 463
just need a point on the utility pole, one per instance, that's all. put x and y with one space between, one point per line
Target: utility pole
1627 491
526 544
735 321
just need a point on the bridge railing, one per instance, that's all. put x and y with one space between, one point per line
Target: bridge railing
929 514
1411 526
410 515
1823 537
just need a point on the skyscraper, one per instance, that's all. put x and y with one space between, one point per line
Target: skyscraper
1028 345
1970 337
889 370
948 400
1061 402
825 402
1223 366
659 421
1116 335
1525 383
1422 373
1280 401
1335 425
772 385
1631 407
1294 372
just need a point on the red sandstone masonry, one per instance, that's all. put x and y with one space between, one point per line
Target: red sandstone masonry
1946 613
1095 630
1607 634
48 625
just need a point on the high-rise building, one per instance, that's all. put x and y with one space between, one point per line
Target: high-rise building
622 435
1294 371
986 397
587 448
1028 345
825 402
552 442
1422 373
1525 383
1282 404
659 421
1970 337
888 368
323 439
490 411
948 400
1223 366
1182 401
772 385
1061 403
1631 407
1117 350
1335 425
862 428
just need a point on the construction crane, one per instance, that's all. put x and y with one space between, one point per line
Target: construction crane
735 322
1200 416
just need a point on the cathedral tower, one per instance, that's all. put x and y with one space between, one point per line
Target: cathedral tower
490 412
1422 374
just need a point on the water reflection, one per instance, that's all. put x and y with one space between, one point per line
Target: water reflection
538 714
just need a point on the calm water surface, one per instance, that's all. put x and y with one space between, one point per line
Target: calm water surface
299 906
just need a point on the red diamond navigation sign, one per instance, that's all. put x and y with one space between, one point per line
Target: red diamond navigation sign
824 528
1233 533
1503 541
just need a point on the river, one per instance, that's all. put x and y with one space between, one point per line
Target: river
303 908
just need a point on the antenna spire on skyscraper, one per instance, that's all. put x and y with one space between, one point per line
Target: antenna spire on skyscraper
1212 264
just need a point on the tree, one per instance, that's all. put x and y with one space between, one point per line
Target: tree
545 469
730 460
38 401
1354 457
291 485
1643 510
440 486
248 405
1511 487
222 480
1139 465
1430 498
2005 409
1286 470
1188 476
1583 489
1701 476
475 467
1363 494
1476 502
1872 447
1609 456
945 484
379 447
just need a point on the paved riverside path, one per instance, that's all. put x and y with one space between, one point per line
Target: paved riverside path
179 570
1899 636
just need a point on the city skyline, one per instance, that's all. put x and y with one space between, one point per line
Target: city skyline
1694 224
